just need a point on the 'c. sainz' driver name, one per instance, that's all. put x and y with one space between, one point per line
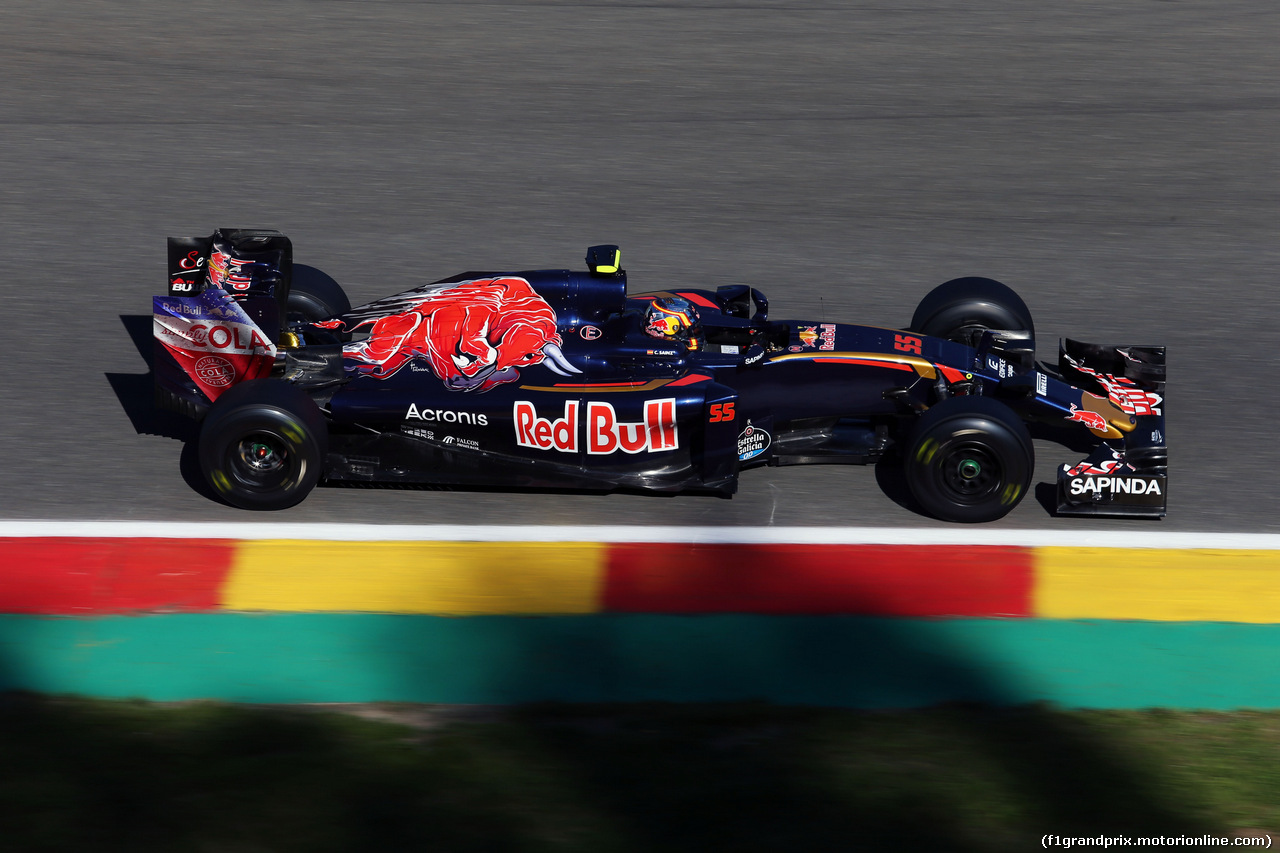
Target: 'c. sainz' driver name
604 433
1115 486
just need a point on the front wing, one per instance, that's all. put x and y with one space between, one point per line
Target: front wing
1126 476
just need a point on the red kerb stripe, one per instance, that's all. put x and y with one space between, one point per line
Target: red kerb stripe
79 576
880 580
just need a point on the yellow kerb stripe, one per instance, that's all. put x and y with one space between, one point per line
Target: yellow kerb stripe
445 578
1157 584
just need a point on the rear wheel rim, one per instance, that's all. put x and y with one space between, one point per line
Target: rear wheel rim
261 460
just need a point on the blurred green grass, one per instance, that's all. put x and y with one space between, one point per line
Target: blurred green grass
85 775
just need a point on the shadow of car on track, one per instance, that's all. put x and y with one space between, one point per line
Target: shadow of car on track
136 393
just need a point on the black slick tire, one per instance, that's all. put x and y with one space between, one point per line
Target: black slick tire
961 309
263 444
969 460
314 296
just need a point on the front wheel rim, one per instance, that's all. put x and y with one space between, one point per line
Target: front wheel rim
970 335
970 473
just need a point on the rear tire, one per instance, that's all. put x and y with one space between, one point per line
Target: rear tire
962 309
263 444
969 459
314 296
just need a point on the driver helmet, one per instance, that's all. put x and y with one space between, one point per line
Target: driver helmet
671 318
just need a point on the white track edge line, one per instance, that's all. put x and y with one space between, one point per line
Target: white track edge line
639 534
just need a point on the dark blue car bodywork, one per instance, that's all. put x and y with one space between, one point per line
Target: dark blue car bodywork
616 408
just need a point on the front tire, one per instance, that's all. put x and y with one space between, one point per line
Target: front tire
962 309
969 460
263 444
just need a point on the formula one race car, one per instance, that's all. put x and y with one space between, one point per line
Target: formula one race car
561 379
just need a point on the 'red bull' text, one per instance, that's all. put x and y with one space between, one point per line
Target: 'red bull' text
604 433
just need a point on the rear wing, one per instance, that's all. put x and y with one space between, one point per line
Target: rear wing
222 314
263 251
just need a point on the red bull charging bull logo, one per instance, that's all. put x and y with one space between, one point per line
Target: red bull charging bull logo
822 336
1092 420
474 335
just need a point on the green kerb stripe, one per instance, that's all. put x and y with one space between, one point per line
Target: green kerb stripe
834 660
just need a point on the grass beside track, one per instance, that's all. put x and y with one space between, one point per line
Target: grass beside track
90 775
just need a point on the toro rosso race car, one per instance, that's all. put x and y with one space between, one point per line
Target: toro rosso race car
562 379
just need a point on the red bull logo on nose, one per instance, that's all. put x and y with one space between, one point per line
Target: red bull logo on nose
1092 420
822 336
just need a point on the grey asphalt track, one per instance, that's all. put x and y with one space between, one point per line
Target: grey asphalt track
1113 161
